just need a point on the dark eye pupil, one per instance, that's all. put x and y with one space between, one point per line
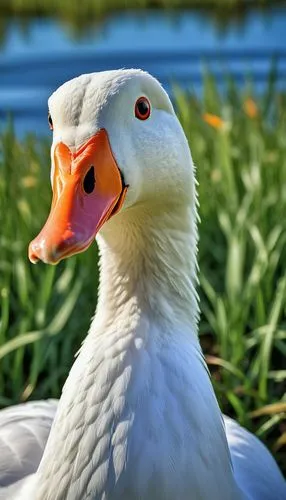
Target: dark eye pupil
89 181
143 108
50 120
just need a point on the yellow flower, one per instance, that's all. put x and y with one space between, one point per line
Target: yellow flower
250 108
214 121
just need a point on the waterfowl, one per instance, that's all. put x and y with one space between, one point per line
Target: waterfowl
138 417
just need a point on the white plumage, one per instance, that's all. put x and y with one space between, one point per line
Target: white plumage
138 417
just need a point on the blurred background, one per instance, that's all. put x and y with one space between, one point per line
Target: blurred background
224 64
46 43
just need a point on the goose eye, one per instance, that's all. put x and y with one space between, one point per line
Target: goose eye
50 122
142 108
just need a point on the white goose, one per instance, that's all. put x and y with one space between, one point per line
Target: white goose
138 417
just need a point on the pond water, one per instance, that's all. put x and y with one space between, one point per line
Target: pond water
35 61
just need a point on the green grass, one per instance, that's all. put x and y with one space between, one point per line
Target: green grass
97 6
239 147
79 15
80 18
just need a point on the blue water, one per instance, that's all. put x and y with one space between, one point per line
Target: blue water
174 47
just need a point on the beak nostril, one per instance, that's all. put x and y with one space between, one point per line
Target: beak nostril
89 181
33 257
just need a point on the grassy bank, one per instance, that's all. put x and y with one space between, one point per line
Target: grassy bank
83 11
239 147
79 17
94 6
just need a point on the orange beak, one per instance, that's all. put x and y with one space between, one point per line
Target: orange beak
87 190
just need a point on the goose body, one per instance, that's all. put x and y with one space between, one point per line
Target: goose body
138 417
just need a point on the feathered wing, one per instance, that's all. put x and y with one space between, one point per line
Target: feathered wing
255 470
24 430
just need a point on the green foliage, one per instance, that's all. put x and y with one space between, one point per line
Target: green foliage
88 7
80 18
78 15
39 334
239 147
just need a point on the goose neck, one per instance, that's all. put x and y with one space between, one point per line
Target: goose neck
149 257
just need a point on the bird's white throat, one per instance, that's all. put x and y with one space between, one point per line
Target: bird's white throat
148 258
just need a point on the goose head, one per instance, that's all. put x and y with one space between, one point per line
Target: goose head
117 144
